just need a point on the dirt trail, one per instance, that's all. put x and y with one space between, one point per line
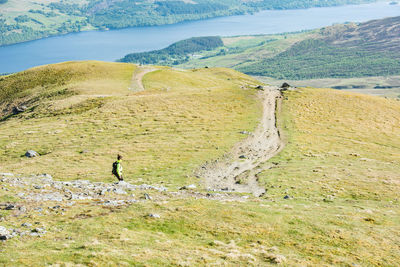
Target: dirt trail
237 171
137 84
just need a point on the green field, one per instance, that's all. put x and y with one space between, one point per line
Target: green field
340 170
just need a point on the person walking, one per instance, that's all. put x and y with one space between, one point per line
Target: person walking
117 168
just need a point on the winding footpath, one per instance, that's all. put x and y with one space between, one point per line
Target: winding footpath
237 171
137 78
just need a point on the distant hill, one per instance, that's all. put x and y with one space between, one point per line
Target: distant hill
32 19
176 53
367 49
340 51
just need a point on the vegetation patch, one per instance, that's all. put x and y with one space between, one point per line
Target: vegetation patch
312 59
176 53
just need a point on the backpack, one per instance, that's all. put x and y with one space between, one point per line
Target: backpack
114 168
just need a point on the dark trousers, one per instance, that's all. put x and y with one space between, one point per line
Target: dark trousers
120 178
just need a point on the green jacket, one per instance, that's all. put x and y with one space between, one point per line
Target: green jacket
119 167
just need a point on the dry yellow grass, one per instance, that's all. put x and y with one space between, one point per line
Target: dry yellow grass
341 165
181 120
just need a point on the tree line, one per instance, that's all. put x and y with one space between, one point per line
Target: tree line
176 53
316 58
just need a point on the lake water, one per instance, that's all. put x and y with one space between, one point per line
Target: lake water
114 44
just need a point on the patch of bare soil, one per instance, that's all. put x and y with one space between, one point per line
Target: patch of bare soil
237 171
137 84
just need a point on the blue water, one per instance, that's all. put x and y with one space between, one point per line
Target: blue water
114 44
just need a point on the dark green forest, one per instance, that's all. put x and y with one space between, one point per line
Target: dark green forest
176 53
129 13
311 59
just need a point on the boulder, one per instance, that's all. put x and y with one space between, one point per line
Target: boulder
4 233
119 191
154 215
285 86
191 186
147 196
19 109
10 207
31 154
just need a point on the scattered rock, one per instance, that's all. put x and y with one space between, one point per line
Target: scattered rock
31 154
119 191
6 174
369 220
285 85
329 199
22 209
10 207
192 186
4 233
114 203
38 230
365 159
154 215
19 109
276 259
48 176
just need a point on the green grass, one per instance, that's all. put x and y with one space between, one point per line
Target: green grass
164 133
243 50
341 165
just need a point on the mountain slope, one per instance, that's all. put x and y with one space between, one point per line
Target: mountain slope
332 193
340 51
368 49
87 106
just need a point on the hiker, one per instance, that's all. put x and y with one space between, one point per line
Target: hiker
117 168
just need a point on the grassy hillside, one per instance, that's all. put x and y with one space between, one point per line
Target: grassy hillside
341 51
24 20
164 132
340 169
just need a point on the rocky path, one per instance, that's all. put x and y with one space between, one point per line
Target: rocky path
40 194
137 84
237 171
